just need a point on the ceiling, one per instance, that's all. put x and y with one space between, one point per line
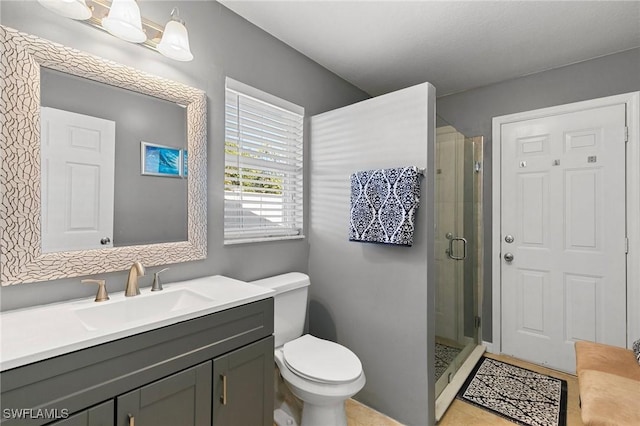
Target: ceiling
382 46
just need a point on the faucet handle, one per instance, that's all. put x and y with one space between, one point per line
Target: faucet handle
157 285
102 295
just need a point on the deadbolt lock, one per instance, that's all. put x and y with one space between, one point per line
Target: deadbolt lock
509 239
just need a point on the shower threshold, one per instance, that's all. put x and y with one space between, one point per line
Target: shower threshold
449 393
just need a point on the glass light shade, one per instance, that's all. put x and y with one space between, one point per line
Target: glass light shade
124 21
74 9
175 42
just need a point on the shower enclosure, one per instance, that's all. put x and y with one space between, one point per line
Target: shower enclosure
458 248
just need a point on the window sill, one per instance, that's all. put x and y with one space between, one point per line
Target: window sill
263 239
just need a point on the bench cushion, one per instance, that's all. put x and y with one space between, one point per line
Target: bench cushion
608 399
605 358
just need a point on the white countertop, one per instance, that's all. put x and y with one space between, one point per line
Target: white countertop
41 332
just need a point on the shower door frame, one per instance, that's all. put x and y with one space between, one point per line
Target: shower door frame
477 162
473 349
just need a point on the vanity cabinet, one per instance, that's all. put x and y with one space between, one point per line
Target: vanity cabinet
181 399
243 379
167 376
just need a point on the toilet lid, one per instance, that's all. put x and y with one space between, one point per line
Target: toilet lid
321 360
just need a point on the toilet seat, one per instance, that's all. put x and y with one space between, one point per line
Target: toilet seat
321 360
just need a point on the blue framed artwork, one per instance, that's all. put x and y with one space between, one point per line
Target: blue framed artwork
185 163
159 160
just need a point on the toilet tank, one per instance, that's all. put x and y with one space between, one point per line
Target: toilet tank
290 304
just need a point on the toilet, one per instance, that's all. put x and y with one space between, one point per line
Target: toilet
323 374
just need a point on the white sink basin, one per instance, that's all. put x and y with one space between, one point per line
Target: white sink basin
41 332
114 314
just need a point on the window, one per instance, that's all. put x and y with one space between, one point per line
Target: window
263 166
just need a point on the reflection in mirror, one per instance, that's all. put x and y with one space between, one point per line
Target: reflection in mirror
93 192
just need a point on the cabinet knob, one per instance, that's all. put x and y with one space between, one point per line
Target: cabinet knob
132 420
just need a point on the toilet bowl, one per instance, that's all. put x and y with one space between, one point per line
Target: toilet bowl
321 373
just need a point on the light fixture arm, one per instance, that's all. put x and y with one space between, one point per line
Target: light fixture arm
175 15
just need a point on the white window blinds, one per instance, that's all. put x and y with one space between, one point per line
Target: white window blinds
263 166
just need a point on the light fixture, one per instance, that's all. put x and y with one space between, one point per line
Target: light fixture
124 21
175 39
74 9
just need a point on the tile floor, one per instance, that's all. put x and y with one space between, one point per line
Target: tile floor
445 354
461 413
360 415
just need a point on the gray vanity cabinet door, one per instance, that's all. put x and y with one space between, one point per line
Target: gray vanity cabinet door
182 399
100 415
243 386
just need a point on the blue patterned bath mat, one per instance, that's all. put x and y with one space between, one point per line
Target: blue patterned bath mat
517 394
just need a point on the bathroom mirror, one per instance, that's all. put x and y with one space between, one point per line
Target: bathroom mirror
21 256
90 142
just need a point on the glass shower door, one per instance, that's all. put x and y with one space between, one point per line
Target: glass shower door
458 250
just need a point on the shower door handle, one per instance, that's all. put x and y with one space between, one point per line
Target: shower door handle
464 248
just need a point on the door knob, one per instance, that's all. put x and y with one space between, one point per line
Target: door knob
508 257
105 241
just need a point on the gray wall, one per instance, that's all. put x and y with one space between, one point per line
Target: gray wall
223 45
147 209
471 112
376 299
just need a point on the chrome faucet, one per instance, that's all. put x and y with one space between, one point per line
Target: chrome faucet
132 289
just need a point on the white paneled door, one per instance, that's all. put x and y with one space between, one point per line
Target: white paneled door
77 153
563 234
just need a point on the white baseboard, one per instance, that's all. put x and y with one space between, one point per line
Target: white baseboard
489 347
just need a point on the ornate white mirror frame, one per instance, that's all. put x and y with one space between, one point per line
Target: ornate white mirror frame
21 257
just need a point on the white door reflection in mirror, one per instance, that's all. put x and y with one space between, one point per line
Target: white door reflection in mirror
77 153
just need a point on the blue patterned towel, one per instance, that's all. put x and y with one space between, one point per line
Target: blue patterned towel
384 204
